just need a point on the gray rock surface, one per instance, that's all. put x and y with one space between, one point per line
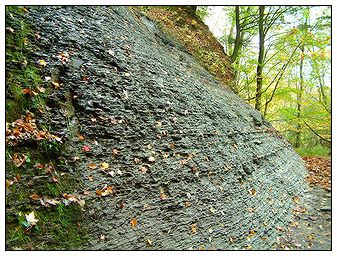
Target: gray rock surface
221 177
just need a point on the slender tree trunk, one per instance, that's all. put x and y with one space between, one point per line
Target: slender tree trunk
299 101
259 69
239 35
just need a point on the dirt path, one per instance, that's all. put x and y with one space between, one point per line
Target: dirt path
311 226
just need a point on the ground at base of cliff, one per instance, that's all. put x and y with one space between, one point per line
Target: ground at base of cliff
311 228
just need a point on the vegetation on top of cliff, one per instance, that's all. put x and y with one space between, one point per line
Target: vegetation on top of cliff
189 30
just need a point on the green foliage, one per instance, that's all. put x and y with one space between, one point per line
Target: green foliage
202 12
291 107
58 226
21 71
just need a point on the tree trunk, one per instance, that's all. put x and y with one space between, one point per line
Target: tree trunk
238 37
299 101
259 69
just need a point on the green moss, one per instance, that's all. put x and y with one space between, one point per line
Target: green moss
58 226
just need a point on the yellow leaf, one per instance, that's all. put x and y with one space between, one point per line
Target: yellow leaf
42 63
212 210
133 222
104 165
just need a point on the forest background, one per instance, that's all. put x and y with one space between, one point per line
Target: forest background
281 57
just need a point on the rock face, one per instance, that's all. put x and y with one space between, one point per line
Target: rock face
191 165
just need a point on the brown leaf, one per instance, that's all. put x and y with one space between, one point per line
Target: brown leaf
99 192
92 166
143 169
25 91
194 228
133 222
121 204
194 169
54 179
34 196
296 199
231 239
252 192
80 137
115 152
183 161
187 204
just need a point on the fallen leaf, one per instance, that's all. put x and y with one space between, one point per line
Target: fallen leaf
92 166
151 159
54 179
231 239
112 173
80 137
187 204
149 242
90 178
93 120
30 218
81 203
104 165
143 169
183 161
34 196
133 222
194 228
42 63
86 148
56 84
8 183
18 177
252 192
102 237
212 210
25 91
296 199
41 89
114 152
99 192
163 196
110 51
121 204
10 29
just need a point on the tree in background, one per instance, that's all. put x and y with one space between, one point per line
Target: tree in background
285 72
